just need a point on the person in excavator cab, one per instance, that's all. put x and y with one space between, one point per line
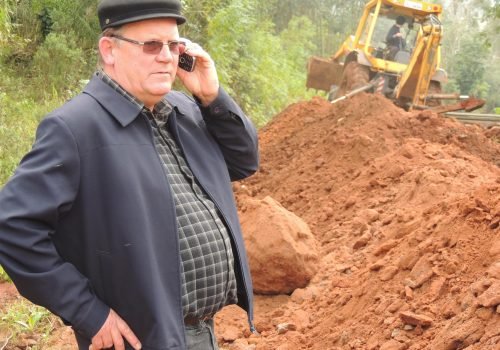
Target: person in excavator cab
394 39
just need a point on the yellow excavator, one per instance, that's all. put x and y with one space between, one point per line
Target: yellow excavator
408 74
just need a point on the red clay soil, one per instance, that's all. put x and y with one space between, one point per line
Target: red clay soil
406 209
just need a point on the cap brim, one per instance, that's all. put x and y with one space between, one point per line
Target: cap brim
180 19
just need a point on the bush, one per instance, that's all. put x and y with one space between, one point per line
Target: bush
61 79
18 121
264 72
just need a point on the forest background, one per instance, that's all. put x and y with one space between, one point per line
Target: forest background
48 52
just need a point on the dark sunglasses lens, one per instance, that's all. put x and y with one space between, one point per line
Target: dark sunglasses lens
176 47
153 47
182 47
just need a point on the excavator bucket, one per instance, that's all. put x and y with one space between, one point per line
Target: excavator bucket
468 105
323 73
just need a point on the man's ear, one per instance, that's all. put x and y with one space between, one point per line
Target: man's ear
106 50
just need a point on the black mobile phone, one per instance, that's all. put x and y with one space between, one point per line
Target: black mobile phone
187 62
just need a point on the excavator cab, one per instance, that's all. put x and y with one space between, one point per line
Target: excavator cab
364 59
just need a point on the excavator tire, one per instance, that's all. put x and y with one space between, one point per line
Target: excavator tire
434 88
355 75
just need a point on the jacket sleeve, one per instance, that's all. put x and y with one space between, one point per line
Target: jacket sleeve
235 134
39 193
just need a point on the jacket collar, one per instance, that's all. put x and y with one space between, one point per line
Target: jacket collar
121 108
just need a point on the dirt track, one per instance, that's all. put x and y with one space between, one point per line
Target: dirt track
406 207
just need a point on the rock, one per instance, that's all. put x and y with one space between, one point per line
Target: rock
494 270
230 334
436 288
286 346
495 248
301 319
282 252
458 335
358 226
385 247
241 344
408 293
415 319
421 272
395 306
393 345
377 265
388 273
300 295
491 297
362 241
282 328
479 287
368 215
407 261
484 313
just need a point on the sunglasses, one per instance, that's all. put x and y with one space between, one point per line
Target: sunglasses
154 47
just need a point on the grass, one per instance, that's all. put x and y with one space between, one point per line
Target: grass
4 276
19 117
23 320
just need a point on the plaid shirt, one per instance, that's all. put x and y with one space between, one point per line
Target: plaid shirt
208 279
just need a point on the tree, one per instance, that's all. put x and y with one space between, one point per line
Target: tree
262 70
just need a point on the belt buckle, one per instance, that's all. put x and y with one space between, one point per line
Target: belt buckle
193 321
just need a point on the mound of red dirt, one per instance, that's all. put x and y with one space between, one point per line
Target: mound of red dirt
406 208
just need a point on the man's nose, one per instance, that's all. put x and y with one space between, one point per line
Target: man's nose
165 54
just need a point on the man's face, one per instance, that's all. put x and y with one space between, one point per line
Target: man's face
148 77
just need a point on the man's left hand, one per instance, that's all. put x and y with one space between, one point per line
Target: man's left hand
203 81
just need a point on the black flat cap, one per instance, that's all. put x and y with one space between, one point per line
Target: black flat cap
114 13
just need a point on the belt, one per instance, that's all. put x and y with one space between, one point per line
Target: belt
194 321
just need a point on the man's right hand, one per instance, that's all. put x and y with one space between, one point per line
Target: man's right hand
112 333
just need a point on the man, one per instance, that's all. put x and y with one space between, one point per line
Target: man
394 39
121 219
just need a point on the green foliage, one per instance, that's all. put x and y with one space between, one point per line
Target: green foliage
18 120
23 317
471 55
263 71
199 14
61 78
19 34
69 16
3 275
469 66
5 24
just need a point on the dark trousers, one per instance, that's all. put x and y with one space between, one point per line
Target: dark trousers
200 336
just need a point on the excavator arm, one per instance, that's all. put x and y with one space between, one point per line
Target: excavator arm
414 81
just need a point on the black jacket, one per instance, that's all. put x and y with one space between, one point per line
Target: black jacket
87 222
395 41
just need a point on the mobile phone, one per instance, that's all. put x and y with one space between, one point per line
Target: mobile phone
187 62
